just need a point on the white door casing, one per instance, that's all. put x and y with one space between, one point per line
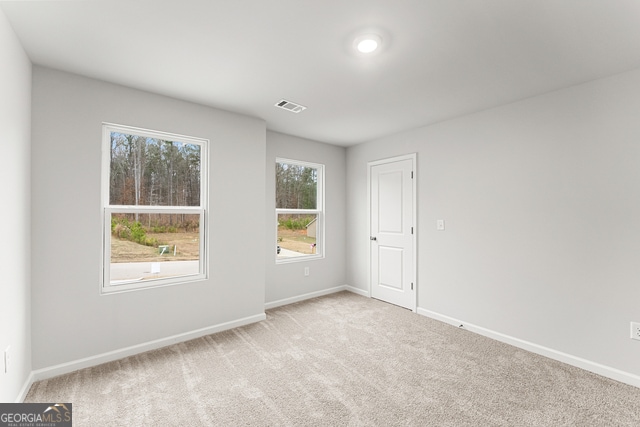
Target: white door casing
392 204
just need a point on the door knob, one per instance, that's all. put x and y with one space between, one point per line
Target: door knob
373 238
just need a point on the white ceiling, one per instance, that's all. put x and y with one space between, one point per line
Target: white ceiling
440 58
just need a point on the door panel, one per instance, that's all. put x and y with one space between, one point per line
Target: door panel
390 202
391 275
392 239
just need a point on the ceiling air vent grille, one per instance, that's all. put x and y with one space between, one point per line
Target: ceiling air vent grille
290 106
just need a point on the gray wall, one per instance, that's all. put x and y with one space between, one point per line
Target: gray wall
286 281
15 264
71 320
541 200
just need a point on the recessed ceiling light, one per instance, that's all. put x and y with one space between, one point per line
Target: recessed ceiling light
367 43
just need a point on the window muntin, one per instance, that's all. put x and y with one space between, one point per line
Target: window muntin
299 210
154 208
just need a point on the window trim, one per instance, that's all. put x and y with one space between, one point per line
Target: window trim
106 286
319 211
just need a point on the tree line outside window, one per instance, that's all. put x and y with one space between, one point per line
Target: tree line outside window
296 186
153 172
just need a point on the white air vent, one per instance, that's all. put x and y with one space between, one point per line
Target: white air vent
290 106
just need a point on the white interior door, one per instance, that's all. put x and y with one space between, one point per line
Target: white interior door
392 238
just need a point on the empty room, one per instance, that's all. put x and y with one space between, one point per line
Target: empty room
285 212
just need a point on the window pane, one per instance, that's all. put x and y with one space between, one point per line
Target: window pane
296 186
153 246
296 235
153 172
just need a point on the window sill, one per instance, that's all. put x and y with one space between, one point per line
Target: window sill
303 258
131 286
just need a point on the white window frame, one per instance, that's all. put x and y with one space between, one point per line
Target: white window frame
106 286
319 211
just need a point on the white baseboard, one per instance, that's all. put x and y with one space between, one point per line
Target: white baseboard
25 388
358 291
298 298
65 368
605 371
316 294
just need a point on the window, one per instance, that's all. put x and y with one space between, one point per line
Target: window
154 197
299 210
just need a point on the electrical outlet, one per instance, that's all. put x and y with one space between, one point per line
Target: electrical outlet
440 225
6 360
635 331
306 271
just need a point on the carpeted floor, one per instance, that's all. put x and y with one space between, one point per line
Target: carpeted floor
341 360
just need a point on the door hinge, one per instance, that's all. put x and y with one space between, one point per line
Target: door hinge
411 230
411 174
411 285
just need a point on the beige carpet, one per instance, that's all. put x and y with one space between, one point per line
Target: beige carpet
341 360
